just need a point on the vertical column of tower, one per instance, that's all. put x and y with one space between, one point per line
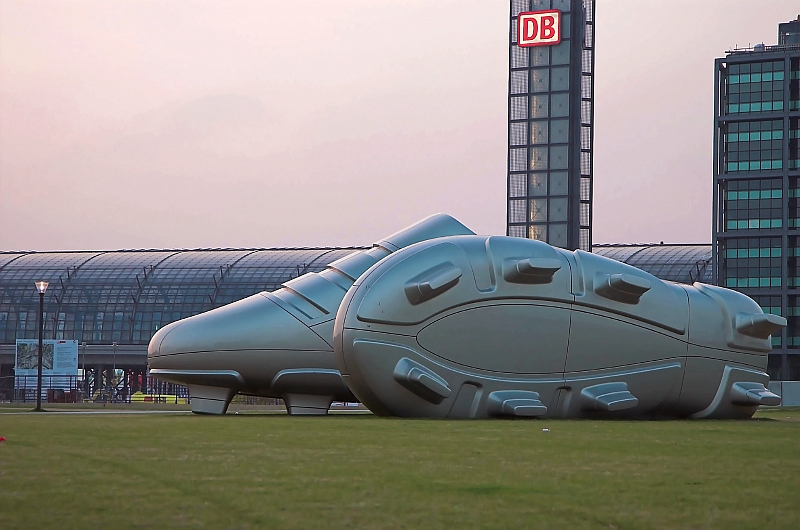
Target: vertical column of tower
518 125
587 128
793 213
550 131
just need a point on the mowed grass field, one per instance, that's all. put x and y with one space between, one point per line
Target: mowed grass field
155 471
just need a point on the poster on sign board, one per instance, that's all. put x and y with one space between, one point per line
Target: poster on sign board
59 357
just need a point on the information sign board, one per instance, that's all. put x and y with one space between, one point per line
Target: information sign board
59 357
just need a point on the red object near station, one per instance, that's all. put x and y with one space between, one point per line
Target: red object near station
539 28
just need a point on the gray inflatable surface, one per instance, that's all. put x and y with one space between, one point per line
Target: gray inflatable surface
475 327
275 344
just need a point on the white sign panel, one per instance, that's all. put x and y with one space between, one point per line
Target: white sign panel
59 357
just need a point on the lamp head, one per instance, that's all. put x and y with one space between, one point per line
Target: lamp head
41 286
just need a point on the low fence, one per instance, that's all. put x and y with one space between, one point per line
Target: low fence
77 389
55 389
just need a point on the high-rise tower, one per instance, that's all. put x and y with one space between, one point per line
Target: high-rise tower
757 184
550 116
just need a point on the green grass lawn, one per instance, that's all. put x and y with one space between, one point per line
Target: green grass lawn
273 471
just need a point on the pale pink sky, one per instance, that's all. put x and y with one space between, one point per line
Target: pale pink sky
133 124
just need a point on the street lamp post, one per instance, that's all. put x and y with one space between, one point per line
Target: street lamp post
85 385
41 286
114 373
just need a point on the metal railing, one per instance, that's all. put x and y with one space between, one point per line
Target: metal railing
77 389
764 48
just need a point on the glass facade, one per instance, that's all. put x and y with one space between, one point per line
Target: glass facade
752 204
550 129
756 174
126 296
754 146
754 87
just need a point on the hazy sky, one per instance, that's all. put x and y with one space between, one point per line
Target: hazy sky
133 124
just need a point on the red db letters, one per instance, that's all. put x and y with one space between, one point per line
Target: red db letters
539 28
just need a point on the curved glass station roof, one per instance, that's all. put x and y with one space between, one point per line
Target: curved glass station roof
125 296
675 263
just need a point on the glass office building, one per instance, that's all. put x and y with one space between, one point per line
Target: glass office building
550 132
757 183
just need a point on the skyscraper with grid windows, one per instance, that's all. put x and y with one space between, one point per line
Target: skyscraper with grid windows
550 133
757 184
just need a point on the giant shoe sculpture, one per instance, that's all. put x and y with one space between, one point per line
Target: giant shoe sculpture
275 344
475 327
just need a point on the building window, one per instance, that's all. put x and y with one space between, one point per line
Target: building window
561 53
753 146
559 184
558 210
540 80
793 263
540 106
539 132
560 79
518 159
518 133
538 210
752 204
793 323
519 82
769 304
558 234
539 158
754 87
774 365
752 263
517 185
538 185
538 232
793 205
516 231
793 367
516 211
519 108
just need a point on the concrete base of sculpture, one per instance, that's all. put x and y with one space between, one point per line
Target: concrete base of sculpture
477 327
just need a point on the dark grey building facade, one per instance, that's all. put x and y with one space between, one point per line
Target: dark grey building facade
550 130
757 184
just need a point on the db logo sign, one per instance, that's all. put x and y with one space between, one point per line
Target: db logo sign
539 28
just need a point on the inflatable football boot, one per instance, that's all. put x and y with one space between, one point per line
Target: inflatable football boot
477 327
